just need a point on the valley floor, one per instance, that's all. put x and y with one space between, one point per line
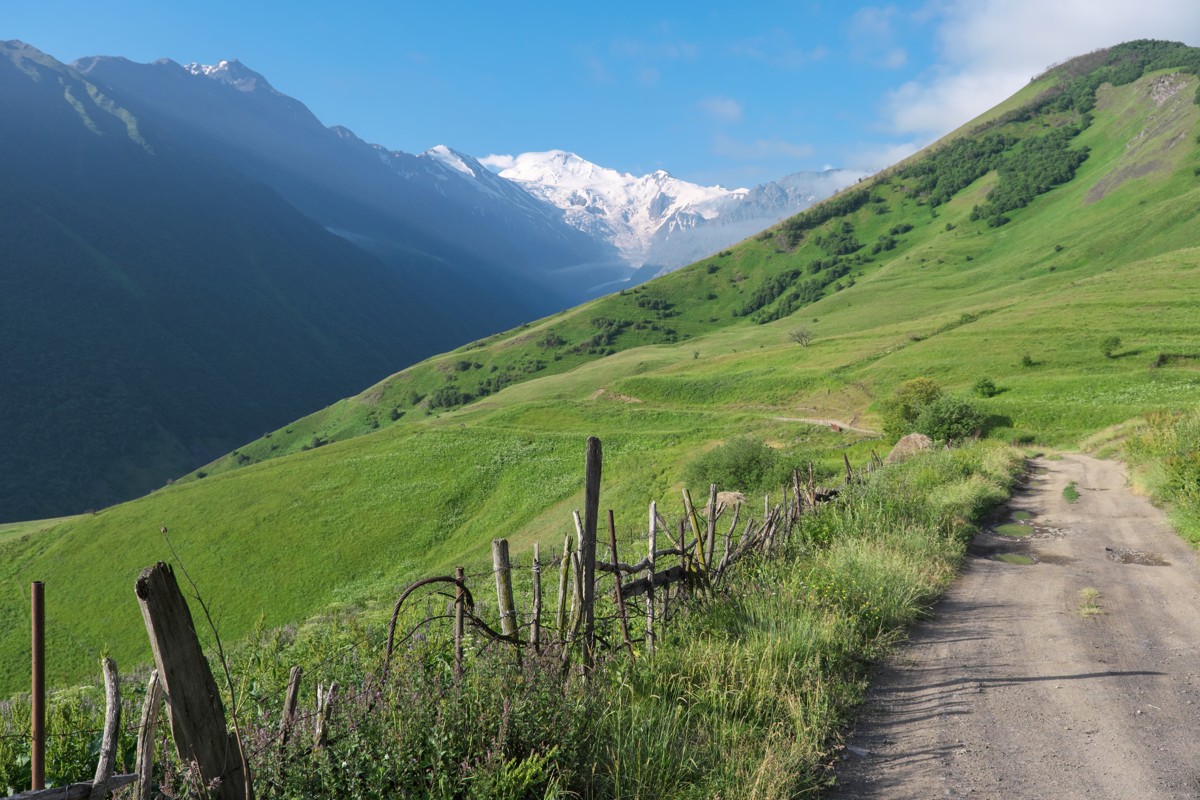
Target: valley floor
1026 682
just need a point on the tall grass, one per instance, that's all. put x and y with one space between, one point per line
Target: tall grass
1165 452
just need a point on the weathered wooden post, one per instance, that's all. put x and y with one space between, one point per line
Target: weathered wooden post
710 535
37 724
459 608
145 742
564 566
576 608
324 709
504 590
849 471
591 513
535 627
621 615
112 729
195 710
690 510
290 698
651 546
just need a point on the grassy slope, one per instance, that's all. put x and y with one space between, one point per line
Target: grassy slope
348 521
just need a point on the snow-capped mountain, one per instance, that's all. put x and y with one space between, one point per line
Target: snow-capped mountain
658 222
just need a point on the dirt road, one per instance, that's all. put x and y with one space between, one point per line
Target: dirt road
1026 683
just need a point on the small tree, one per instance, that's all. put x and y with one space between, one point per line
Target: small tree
801 336
1109 346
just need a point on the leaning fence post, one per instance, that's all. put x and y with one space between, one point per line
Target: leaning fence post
145 741
690 511
650 538
112 727
290 699
535 628
849 471
591 513
504 590
195 710
460 576
576 608
621 615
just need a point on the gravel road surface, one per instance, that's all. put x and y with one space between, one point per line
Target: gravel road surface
1074 676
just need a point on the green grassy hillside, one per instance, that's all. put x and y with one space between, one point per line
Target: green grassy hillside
897 278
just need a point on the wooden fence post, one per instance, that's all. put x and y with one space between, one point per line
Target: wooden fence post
621 615
535 628
560 617
195 710
324 709
504 590
576 608
651 546
290 698
460 576
112 729
591 513
695 523
710 537
849 471
145 742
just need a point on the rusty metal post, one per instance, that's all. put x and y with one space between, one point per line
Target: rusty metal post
37 755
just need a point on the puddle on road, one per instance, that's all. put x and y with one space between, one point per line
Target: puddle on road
1014 529
1124 556
1050 558
1014 558
1022 516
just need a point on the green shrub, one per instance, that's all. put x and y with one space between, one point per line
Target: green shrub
985 387
741 464
948 418
1109 346
901 411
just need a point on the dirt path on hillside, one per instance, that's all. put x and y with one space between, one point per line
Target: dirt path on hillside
826 423
1012 691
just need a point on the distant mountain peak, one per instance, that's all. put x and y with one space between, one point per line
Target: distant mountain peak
232 72
453 159
657 219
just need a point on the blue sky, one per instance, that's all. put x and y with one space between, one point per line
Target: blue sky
711 92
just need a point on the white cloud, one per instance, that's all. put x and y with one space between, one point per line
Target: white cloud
872 37
722 109
777 48
497 162
991 48
649 76
872 158
725 145
666 50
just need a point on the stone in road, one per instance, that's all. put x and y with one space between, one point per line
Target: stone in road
1014 689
